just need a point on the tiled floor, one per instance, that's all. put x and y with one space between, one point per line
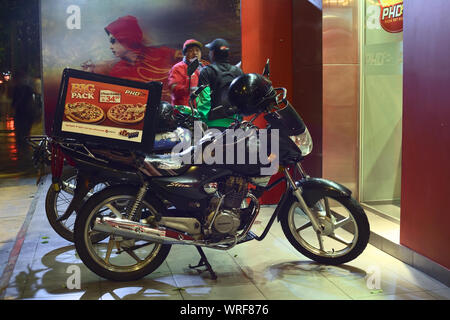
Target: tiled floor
390 210
270 269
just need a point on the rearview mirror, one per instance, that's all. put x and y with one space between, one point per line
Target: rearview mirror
192 67
266 71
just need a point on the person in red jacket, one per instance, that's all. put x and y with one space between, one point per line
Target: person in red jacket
137 61
180 84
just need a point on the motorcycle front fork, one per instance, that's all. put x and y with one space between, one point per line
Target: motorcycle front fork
297 191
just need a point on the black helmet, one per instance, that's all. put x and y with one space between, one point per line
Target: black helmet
251 93
166 117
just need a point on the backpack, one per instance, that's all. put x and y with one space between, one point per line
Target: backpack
220 91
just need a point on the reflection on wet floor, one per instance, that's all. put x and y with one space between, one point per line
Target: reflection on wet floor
15 158
271 270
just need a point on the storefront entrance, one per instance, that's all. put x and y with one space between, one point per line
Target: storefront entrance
381 105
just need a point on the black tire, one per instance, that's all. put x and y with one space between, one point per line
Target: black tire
56 200
87 250
359 229
56 203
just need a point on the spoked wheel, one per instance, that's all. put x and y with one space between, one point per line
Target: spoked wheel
345 230
117 258
56 203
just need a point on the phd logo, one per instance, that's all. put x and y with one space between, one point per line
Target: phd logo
391 16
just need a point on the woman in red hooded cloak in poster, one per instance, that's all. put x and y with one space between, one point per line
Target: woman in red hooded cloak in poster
137 62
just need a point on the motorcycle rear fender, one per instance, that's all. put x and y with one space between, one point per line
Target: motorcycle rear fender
312 190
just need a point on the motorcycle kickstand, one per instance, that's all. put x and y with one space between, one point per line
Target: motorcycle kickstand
204 262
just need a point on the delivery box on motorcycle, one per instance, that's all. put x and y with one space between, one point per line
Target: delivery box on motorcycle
114 112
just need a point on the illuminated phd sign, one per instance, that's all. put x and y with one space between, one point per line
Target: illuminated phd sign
391 15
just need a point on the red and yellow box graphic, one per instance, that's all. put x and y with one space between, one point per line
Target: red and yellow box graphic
104 110
391 15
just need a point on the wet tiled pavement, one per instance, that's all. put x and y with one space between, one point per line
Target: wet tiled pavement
35 261
271 269
15 159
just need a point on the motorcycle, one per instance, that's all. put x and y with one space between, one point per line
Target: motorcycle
64 198
173 202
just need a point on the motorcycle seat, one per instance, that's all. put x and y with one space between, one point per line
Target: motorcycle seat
175 162
168 140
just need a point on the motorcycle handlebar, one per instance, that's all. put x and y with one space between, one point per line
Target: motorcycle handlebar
222 112
284 92
192 98
197 91
36 141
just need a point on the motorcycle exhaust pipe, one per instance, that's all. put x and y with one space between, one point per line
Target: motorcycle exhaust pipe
139 231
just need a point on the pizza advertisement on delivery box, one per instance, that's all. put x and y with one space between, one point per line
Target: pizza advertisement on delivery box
108 110
105 110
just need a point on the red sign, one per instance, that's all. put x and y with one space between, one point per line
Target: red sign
391 15
105 110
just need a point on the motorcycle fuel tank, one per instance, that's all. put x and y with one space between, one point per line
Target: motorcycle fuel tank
187 190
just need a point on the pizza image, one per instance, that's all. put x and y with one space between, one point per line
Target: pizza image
84 112
127 113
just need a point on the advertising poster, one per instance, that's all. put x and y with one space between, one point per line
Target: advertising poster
383 101
384 37
91 36
104 110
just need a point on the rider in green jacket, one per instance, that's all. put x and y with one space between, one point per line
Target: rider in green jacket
217 76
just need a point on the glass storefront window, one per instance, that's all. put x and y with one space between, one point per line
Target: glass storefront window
381 105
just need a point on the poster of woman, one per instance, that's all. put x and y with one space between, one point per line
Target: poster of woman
137 39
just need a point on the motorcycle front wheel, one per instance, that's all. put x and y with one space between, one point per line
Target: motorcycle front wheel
116 258
344 224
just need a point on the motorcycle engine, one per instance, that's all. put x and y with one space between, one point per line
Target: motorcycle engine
227 222
228 218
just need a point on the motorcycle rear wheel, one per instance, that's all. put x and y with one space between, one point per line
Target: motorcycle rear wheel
104 258
56 203
345 227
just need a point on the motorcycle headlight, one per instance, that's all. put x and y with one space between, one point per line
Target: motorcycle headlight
304 142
